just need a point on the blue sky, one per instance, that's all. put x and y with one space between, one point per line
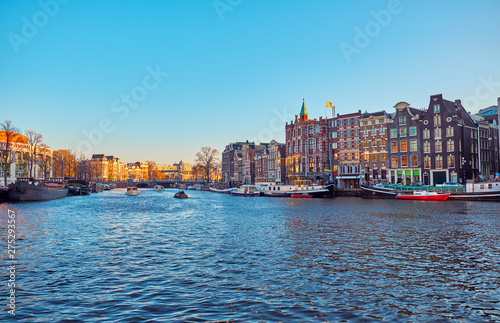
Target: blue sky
231 70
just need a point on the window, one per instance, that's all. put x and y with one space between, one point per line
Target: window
311 144
439 162
356 132
374 131
413 145
382 130
426 134
427 162
334 134
303 131
438 146
341 123
414 160
334 145
367 156
437 120
317 144
451 161
436 108
374 121
450 145
356 121
402 121
375 156
348 122
394 146
437 133
427 147
404 161
449 132
317 129
365 123
342 145
383 156
394 133
366 143
402 132
341 134
404 144
382 141
303 145
311 130
395 161
413 131
381 120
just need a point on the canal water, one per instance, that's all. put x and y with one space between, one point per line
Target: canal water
213 257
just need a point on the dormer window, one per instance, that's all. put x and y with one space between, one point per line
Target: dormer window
436 108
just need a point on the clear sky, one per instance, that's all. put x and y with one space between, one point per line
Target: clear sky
164 78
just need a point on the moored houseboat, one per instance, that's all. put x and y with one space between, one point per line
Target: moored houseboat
29 189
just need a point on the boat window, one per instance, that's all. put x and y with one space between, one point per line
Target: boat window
481 186
490 186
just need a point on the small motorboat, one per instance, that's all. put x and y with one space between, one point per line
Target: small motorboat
424 196
132 191
180 195
158 188
301 196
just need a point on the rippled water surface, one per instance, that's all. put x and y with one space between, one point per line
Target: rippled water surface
109 257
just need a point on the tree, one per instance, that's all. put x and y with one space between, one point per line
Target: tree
207 160
151 169
8 150
34 139
44 160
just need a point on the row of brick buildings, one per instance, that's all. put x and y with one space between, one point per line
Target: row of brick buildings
443 143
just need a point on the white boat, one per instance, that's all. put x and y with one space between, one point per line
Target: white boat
132 191
246 190
299 188
158 188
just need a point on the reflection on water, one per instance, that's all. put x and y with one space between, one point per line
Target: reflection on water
109 257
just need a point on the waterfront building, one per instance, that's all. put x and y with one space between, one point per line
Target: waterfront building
277 162
450 143
237 160
373 140
306 148
404 144
21 151
348 150
261 167
489 141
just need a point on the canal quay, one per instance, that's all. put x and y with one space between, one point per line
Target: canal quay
212 257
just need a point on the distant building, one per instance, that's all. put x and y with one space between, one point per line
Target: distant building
21 150
307 148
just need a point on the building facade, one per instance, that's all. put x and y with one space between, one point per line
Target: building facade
450 143
374 161
404 145
348 150
306 148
